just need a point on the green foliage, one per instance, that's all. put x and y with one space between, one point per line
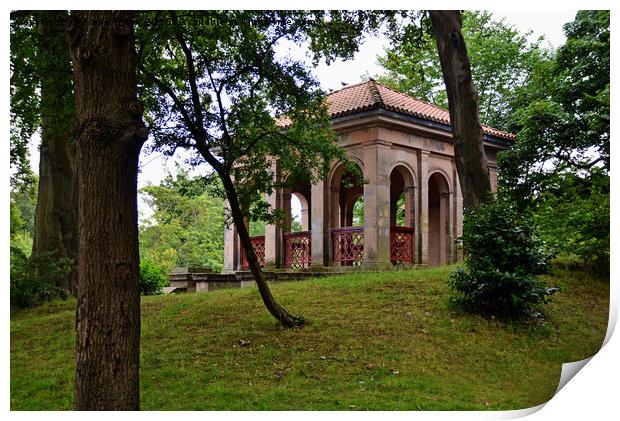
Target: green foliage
400 210
34 279
501 58
187 225
257 228
215 83
573 217
23 206
152 278
560 163
358 212
503 255
25 98
22 209
561 114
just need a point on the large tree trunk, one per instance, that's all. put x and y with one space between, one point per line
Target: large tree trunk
471 162
109 135
276 310
55 230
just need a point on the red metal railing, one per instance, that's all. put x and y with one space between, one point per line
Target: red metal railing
298 249
348 245
401 244
258 243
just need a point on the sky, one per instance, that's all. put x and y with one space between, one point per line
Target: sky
547 23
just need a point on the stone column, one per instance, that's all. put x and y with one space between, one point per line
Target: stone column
458 219
272 235
319 226
272 231
410 206
377 206
423 158
493 168
286 208
305 213
230 245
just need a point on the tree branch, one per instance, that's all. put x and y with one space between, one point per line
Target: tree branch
191 70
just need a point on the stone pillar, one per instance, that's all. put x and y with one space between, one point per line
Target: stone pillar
230 245
493 168
377 205
305 213
423 157
458 219
286 208
319 225
410 206
272 231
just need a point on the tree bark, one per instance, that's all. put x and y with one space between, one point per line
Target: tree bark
276 310
471 162
109 136
55 230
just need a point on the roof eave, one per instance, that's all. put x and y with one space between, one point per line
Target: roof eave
491 139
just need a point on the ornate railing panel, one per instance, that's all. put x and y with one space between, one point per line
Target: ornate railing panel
298 249
258 243
401 244
348 245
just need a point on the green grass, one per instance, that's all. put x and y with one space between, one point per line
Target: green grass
375 341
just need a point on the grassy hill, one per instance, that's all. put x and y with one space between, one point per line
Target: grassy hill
375 341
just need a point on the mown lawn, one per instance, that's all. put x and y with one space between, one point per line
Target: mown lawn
375 341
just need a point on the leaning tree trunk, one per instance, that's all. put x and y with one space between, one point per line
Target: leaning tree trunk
109 135
55 228
471 162
276 310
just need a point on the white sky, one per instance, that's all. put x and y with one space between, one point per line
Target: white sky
547 23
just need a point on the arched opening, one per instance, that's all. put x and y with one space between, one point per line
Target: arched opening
256 228
438 219
347 216
358 212
299 212
401 197
347 189
297 216
296 235
401 216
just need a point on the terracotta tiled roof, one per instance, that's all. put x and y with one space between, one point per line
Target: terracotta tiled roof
370 95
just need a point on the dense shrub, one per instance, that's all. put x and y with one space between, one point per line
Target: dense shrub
35 279
502 258
152 278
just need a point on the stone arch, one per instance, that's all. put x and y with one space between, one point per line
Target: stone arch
441 171
409 171
343 197
402 182
338 168
439 218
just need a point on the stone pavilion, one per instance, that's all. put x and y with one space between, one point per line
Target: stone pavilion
412 204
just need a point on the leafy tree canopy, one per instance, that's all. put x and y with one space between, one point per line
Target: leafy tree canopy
216 83
187 225
24 91
561 114
559 165
501 58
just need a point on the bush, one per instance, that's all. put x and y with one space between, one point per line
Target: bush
35 279
152 278
502 258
